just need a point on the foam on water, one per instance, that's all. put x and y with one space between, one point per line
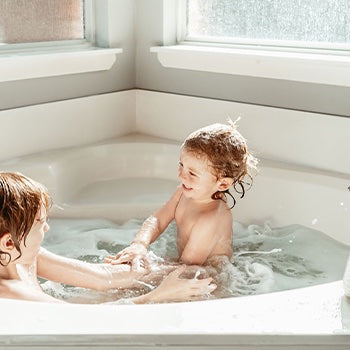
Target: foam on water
265 259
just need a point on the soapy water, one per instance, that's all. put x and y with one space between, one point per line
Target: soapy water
265 259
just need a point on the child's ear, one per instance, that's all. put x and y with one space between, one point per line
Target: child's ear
6 242
225 183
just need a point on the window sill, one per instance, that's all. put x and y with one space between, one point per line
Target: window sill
39 64
320 68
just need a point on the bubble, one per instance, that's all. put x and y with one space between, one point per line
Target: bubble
265 258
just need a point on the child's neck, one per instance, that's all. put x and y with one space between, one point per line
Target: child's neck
8 272
204 203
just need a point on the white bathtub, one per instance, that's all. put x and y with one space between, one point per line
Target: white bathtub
130 177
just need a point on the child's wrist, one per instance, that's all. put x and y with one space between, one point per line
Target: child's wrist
140 242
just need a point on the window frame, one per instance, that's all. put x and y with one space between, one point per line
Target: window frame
21 61
305 65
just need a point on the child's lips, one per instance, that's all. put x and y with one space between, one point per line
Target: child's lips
186 188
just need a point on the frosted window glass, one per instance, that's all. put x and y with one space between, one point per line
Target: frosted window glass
325 21
23 21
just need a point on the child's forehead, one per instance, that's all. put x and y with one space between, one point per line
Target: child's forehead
195 158
42 212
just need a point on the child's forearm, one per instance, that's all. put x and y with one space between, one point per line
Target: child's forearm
146 298
148 232
82 274
116 276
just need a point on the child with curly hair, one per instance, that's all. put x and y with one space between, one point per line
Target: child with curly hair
212 159
24 205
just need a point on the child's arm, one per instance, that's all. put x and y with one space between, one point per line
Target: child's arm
78 273
104 277
173 288
151 229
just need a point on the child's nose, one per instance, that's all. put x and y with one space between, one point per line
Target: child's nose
182 174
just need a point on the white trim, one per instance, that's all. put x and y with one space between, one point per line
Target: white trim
89 20
320 68
169 22
181 20
46 59
38 64
265 43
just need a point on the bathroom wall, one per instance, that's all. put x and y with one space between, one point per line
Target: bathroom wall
115 28
151 31
69 123
135 26
275 134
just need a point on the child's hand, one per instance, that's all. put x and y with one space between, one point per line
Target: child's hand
135 255
196 272
174 288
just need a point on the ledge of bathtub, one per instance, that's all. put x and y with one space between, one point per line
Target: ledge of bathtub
318 315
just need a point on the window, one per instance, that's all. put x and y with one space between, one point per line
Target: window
45 38
294 40
28 21
294 23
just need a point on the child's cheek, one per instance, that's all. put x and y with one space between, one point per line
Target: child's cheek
194 180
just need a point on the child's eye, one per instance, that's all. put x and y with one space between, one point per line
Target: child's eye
192 174
180 164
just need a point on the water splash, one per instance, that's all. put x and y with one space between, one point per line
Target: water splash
265 259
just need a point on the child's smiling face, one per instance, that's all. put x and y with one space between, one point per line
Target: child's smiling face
198 180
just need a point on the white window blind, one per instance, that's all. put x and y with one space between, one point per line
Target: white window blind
28 21
307 23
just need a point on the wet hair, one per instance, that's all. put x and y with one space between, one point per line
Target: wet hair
226 150
20 201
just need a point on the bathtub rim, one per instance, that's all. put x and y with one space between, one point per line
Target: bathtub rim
177 323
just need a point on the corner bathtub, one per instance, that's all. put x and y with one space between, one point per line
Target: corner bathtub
130 177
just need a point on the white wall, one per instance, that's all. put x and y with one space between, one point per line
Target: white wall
299 138
115 28
135 26
66 123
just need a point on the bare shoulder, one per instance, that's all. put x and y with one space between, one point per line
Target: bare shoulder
6 288
218 218
14 289
18 289
220 214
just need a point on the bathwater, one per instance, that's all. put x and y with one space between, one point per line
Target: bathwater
265 259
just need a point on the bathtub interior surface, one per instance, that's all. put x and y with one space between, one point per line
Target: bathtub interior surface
125 191
80 180
132 176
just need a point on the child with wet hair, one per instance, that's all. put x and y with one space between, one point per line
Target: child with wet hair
212 159
24 205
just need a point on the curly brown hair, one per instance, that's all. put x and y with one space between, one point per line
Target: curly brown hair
20 200
227 152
